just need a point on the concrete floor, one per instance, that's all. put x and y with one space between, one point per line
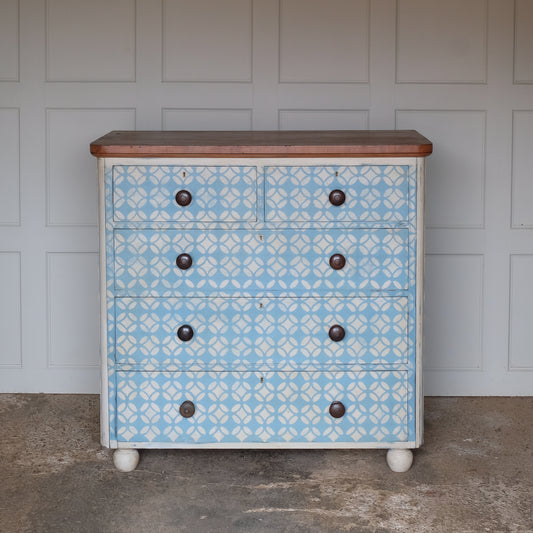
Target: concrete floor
474 474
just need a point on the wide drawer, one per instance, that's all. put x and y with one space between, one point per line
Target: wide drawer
216 193
244 407
366 193
246 262
259 333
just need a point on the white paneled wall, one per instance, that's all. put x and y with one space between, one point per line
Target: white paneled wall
461 72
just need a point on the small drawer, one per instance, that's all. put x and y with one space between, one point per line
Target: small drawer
259 333
245 407
184 194
367 193
242 262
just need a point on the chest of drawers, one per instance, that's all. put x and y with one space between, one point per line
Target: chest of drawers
261 289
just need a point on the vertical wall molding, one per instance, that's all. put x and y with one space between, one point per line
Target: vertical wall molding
454 312
10 41
10 198
522 59
11 310
72 309
520 354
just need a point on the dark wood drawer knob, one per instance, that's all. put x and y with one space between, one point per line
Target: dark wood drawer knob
337 261
187 409
337 409
185 333
184 261
337 197
336 333
183 198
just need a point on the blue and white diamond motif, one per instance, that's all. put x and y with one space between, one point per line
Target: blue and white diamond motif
237 407
244 262
259 290
147 193
259 333
373 193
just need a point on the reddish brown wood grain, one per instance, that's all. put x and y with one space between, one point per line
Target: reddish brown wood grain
345 143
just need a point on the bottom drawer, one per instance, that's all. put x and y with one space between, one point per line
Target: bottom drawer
261 407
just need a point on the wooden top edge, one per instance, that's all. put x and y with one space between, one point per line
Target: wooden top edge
335 143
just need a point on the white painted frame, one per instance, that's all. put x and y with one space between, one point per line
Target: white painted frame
417 162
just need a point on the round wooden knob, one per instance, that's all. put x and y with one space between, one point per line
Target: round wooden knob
336 333
184 261
185 333
187 409
183 198
337 197
337 261
337 409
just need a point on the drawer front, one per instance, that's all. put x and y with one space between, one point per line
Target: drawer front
370 193
148 193
260 333
244 262
245 407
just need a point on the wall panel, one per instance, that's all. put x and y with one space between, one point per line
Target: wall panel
522 175
10 168
459 72
521 313
456 171
73 309
10 310
90 41
523 58
72 187
9 40
207 119
207 40
324 41
453 312
323 119
441 42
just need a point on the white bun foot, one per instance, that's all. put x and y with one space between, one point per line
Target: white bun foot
399 460
126 459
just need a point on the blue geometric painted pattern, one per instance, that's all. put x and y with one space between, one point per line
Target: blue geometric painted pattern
405 282
147 193
259 333
246 262
373 193
240 407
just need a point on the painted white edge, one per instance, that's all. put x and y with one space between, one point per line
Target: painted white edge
419 390
266 445
260 161
104 396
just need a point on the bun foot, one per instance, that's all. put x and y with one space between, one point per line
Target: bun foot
126 459
399 459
